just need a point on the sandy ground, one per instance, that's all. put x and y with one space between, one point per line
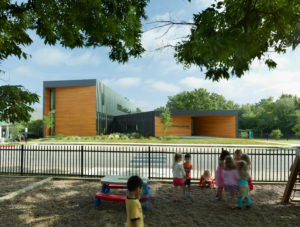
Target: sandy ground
71 203
11 184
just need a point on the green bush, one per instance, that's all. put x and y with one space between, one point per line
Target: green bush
170 137
134 135
276 134
59 136
35 129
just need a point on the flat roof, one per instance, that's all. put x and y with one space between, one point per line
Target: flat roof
191 112
70 83
199 112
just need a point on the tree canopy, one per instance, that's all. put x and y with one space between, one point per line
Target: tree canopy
230 34
198 99
262 117
109 23
15 103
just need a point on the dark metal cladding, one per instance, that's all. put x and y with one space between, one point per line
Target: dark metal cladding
142 123
70 83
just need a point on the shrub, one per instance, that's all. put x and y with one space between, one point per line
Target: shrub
35 129
276 134
134 135
170 137
60 137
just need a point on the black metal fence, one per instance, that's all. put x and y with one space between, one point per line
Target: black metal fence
269 164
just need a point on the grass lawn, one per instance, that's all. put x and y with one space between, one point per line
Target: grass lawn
168 140
289 141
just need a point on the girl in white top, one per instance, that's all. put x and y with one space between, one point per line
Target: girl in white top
178 178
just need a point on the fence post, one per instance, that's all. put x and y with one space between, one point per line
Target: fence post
22 155
81 161
149 168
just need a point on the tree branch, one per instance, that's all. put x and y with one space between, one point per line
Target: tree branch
168 23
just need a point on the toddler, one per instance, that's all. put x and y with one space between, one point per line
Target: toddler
206 180
133 205
218 174
237 156
187 168
243 184
231 177
246 158
178 178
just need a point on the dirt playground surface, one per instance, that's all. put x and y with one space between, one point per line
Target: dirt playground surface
11 184
71 203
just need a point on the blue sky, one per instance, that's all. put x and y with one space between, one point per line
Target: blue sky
148 81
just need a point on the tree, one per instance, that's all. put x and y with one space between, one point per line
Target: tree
229 35
138 110
296 128
198 99
49 122
110 23
15 130
35 128
276 134
165 119
15 103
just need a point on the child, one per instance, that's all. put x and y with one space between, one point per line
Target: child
206 180
187 168
237 156
178 177
231 177
133 205
218 174
243 184
246 158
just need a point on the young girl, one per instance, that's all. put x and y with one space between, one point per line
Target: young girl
218 174
206 180
243 184
246 158
237 156
178 178
231 177
187 168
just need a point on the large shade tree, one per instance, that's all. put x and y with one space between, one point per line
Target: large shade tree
230 34
109 23
225 38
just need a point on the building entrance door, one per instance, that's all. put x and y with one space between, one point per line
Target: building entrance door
193 126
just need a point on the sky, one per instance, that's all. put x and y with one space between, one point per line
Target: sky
149 80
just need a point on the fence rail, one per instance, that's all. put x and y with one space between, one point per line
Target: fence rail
154 162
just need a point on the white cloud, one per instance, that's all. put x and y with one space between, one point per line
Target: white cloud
86 58
147 106
130 68
27 71
163 87
54 56
124 82
283 62
251 87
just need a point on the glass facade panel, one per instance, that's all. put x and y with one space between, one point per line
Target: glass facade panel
108 105
52 111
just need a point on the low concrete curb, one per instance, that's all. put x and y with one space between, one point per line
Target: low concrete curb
23 190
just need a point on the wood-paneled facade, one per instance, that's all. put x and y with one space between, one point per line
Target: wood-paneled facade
82 107
214 123
75 110
181 126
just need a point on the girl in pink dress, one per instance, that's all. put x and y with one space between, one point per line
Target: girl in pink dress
218 174
230 176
